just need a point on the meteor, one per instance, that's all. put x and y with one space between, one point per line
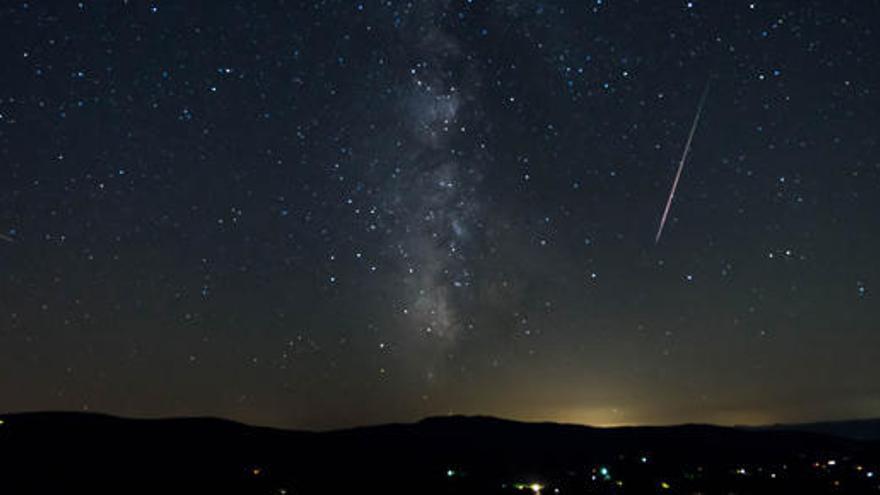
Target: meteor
687 149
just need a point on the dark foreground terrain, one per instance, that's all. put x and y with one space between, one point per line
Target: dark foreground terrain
89 453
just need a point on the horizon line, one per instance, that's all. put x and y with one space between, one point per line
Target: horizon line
609 426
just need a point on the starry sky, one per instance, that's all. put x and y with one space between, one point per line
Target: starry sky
324 214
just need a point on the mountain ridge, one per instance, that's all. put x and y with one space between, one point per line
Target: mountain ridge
826 426
438 454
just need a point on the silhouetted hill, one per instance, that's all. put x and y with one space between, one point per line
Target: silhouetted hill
456 454
859 429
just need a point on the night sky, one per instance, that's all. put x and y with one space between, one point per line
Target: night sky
323 214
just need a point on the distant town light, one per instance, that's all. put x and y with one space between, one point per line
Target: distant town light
534 487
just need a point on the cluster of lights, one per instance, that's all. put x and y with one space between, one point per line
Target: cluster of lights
534 487
603 473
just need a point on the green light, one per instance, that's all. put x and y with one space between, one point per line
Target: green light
534 487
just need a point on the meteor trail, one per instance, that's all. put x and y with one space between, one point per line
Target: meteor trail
687 148
6 238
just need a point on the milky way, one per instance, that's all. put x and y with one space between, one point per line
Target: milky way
319 214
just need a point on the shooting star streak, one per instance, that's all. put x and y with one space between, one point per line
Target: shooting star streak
6 238
687 149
